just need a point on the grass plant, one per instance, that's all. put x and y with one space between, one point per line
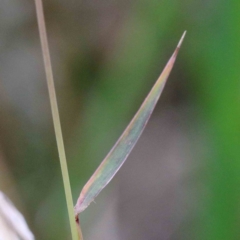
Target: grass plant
56 119
119 153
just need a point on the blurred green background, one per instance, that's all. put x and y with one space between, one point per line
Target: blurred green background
182 179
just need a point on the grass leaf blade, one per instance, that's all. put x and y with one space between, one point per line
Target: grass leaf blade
12 222
119 153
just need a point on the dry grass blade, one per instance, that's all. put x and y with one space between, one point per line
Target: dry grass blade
119 153
56 119
12 222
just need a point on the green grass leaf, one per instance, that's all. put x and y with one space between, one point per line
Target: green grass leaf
119 153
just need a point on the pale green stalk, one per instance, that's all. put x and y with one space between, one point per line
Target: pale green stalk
76 233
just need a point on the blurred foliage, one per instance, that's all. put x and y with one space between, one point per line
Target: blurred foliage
106 56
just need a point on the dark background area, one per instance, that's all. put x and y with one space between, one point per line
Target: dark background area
182 179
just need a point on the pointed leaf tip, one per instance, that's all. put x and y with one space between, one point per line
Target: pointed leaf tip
181 39
119 153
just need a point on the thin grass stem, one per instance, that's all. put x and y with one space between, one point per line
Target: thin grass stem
75 230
